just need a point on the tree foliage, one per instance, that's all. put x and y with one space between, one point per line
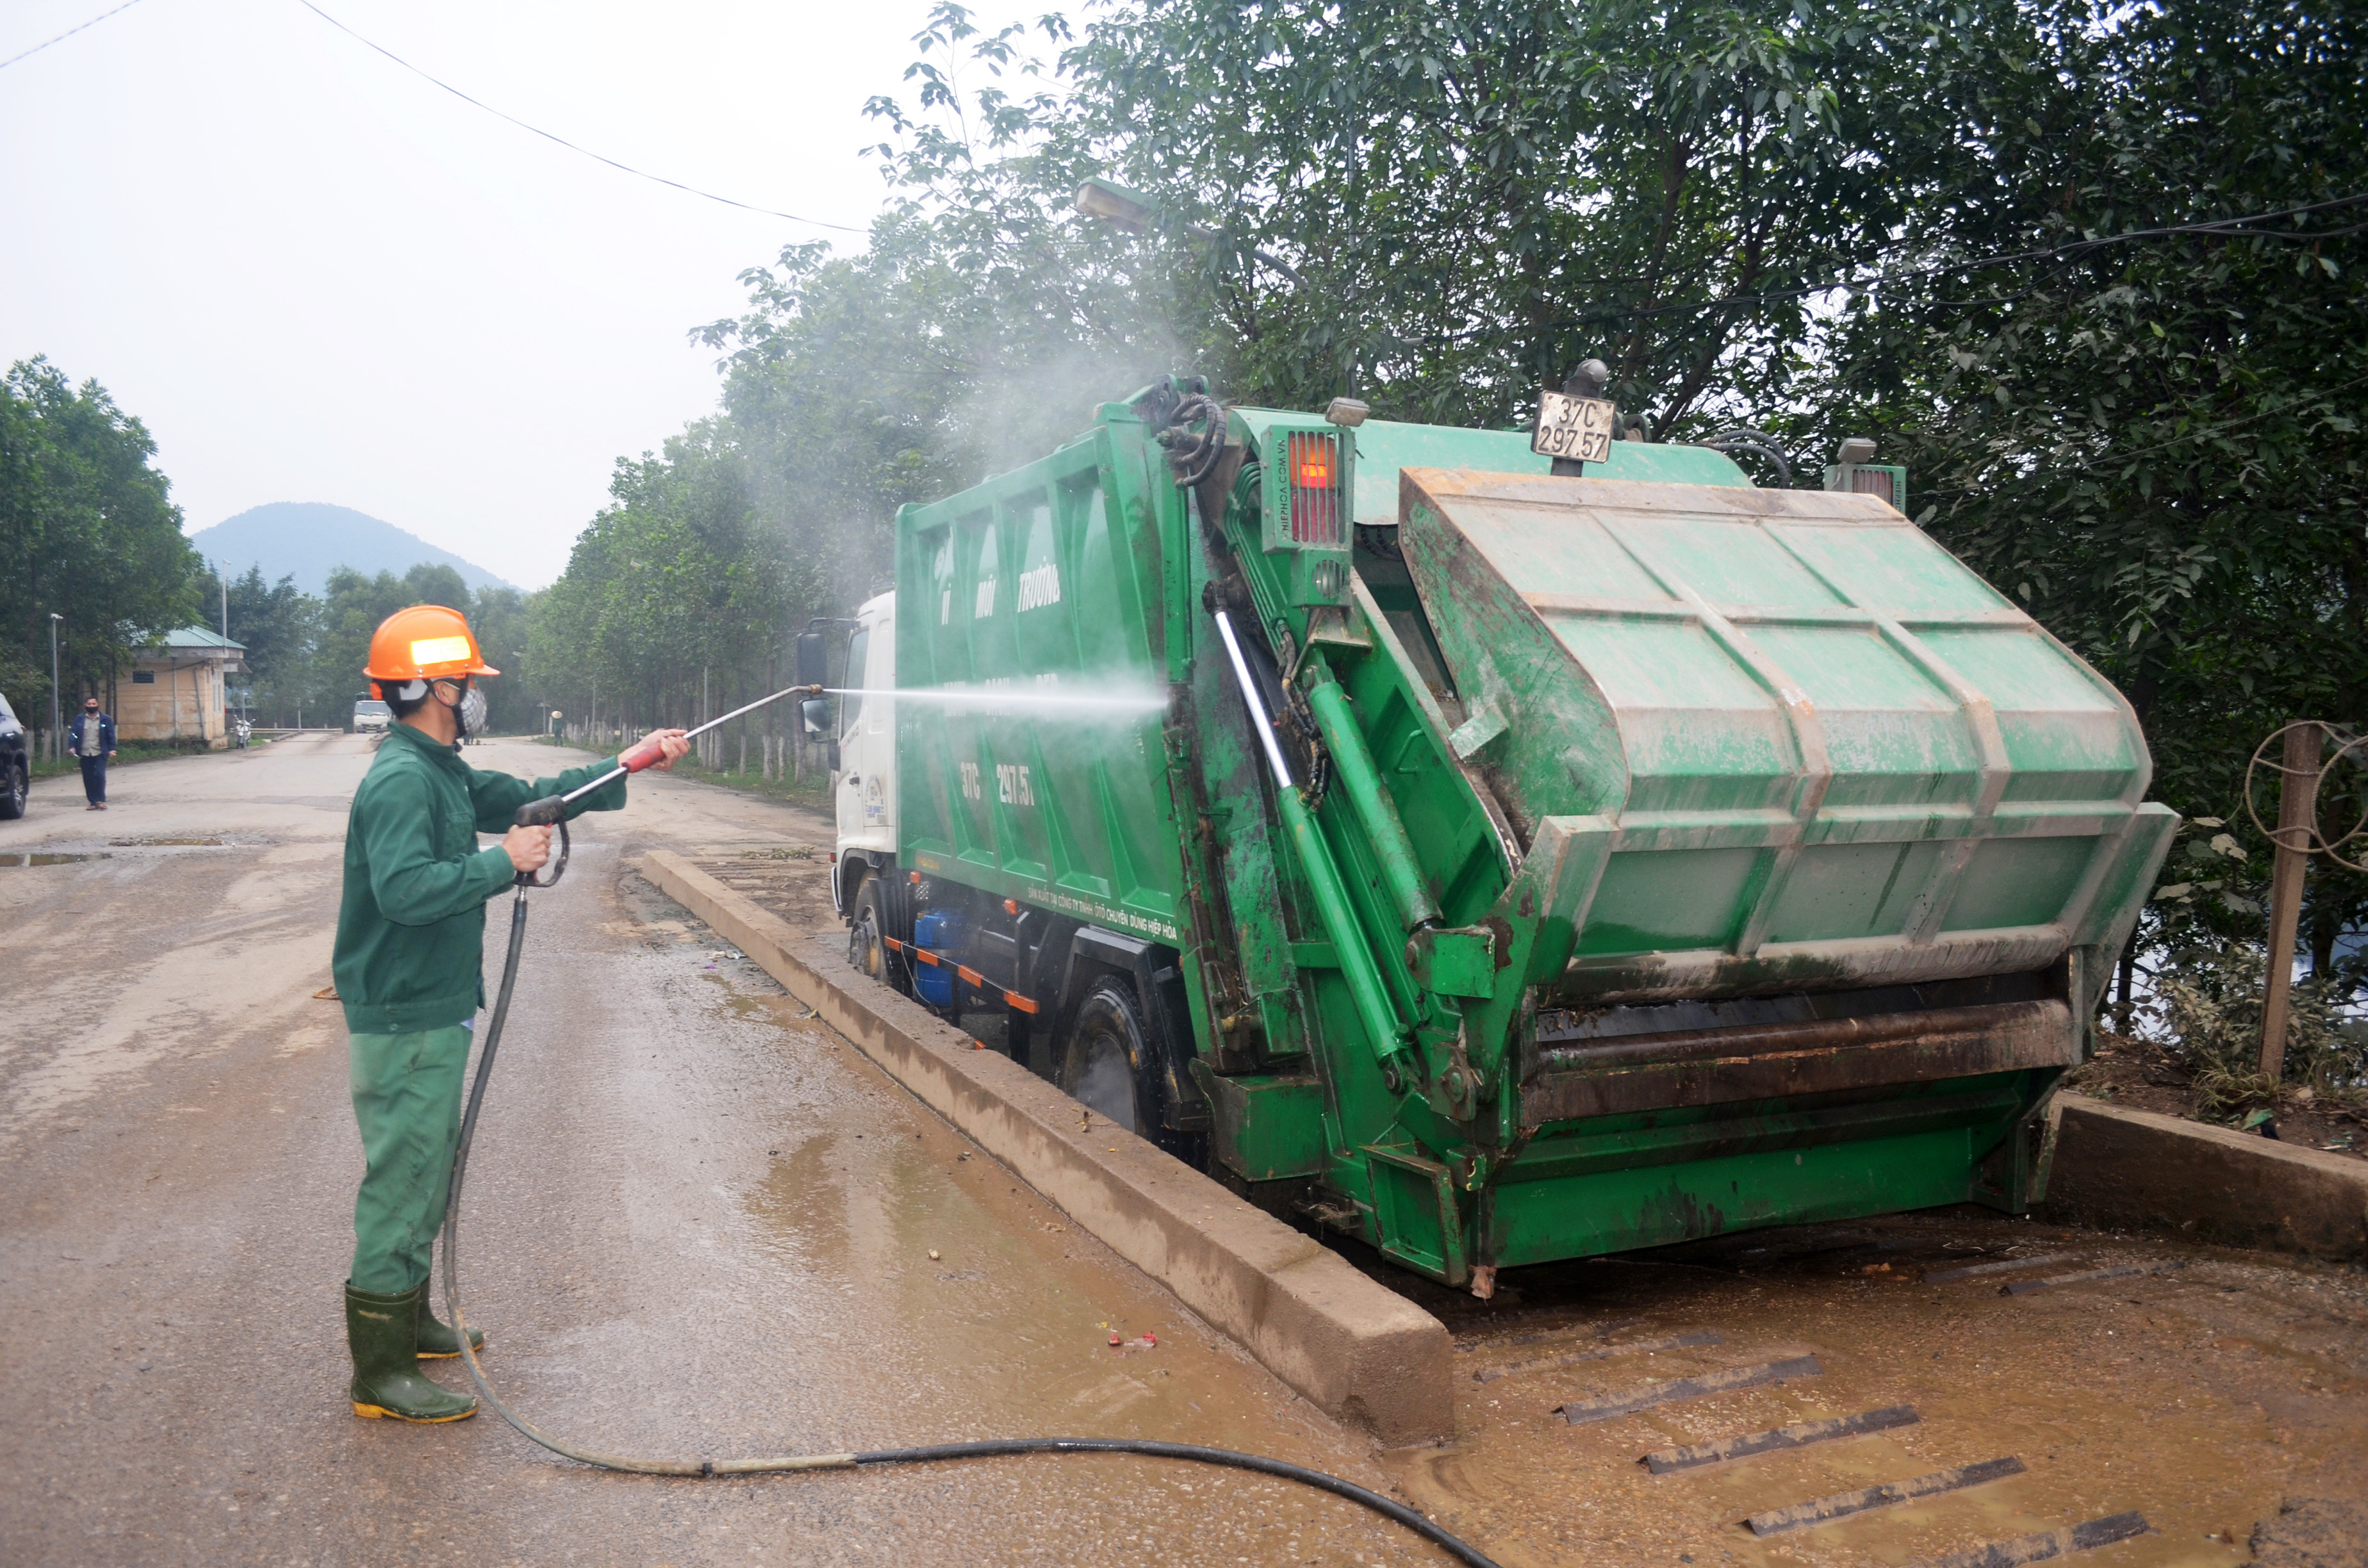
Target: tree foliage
87 530
305 655
2154 445
676 596
2090 271
277 623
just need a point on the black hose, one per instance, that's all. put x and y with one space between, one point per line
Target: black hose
1398 1513
1194 455
1743 438
994 1447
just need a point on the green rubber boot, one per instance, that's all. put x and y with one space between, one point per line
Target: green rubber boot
436 1339
383 1332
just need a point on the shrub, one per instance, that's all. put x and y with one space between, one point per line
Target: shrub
2207 1010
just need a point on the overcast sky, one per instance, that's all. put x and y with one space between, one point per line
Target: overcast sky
318 277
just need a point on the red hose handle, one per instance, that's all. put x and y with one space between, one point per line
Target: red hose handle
639 755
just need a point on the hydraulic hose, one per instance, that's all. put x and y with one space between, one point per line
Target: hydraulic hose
1398 1513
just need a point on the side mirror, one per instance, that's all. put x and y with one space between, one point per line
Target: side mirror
814 659
815 714
830 756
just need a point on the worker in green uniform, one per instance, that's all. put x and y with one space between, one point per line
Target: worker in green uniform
409 967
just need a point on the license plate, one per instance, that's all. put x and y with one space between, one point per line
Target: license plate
1574 428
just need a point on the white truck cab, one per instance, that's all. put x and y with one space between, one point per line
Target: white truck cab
864 785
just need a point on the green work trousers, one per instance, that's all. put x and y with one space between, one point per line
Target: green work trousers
407 1102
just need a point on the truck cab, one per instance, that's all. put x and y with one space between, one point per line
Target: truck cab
864 772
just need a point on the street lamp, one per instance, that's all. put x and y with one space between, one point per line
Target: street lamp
1113 203
54 619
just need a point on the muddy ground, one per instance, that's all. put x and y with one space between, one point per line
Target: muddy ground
700 1225
2141 1075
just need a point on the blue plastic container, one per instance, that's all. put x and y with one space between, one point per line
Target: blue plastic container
939 931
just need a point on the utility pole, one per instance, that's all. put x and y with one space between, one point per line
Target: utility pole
2298 826
56 745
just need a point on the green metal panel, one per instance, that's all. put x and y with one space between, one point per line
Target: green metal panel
1384 447
1042 580
1266 1126
1649 1202
1766 674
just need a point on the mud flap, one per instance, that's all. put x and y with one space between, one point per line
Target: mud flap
2011 1177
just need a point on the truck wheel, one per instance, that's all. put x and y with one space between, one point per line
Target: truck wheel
12 792
1107 1065
867 952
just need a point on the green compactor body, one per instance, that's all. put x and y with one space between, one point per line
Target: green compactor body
1496 866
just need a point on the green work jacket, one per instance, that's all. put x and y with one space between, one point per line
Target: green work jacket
410 927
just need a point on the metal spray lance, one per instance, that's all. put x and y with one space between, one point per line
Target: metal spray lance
550 811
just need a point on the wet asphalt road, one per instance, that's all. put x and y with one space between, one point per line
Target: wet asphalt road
701 1226
698 1227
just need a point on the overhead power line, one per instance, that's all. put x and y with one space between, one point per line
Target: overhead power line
562 141
67 34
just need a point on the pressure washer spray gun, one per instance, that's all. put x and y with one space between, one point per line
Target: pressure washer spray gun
550 811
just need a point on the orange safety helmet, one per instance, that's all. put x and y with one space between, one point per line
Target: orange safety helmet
425 642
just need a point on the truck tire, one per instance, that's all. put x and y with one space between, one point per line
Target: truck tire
1107 1063
13 787
867 950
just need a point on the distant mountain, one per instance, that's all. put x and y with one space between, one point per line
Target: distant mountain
308 539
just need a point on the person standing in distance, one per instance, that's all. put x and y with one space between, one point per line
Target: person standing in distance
91 739
409 965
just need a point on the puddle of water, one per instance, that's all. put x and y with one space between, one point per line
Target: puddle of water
36 857
161 843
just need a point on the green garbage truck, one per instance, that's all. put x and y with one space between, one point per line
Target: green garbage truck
1494 857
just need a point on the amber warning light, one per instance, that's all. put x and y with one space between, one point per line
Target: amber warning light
1315 469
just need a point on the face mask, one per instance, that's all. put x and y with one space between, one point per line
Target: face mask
473 712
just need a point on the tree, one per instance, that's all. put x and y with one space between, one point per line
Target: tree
676 596
88 530
277 625
2154 443
1440 208
500 618
350 612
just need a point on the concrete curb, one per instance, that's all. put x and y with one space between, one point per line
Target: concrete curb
1354 1349
2137 1170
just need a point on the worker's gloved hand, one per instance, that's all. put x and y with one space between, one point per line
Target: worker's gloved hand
527 847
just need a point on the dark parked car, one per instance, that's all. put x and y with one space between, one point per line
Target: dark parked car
16 765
